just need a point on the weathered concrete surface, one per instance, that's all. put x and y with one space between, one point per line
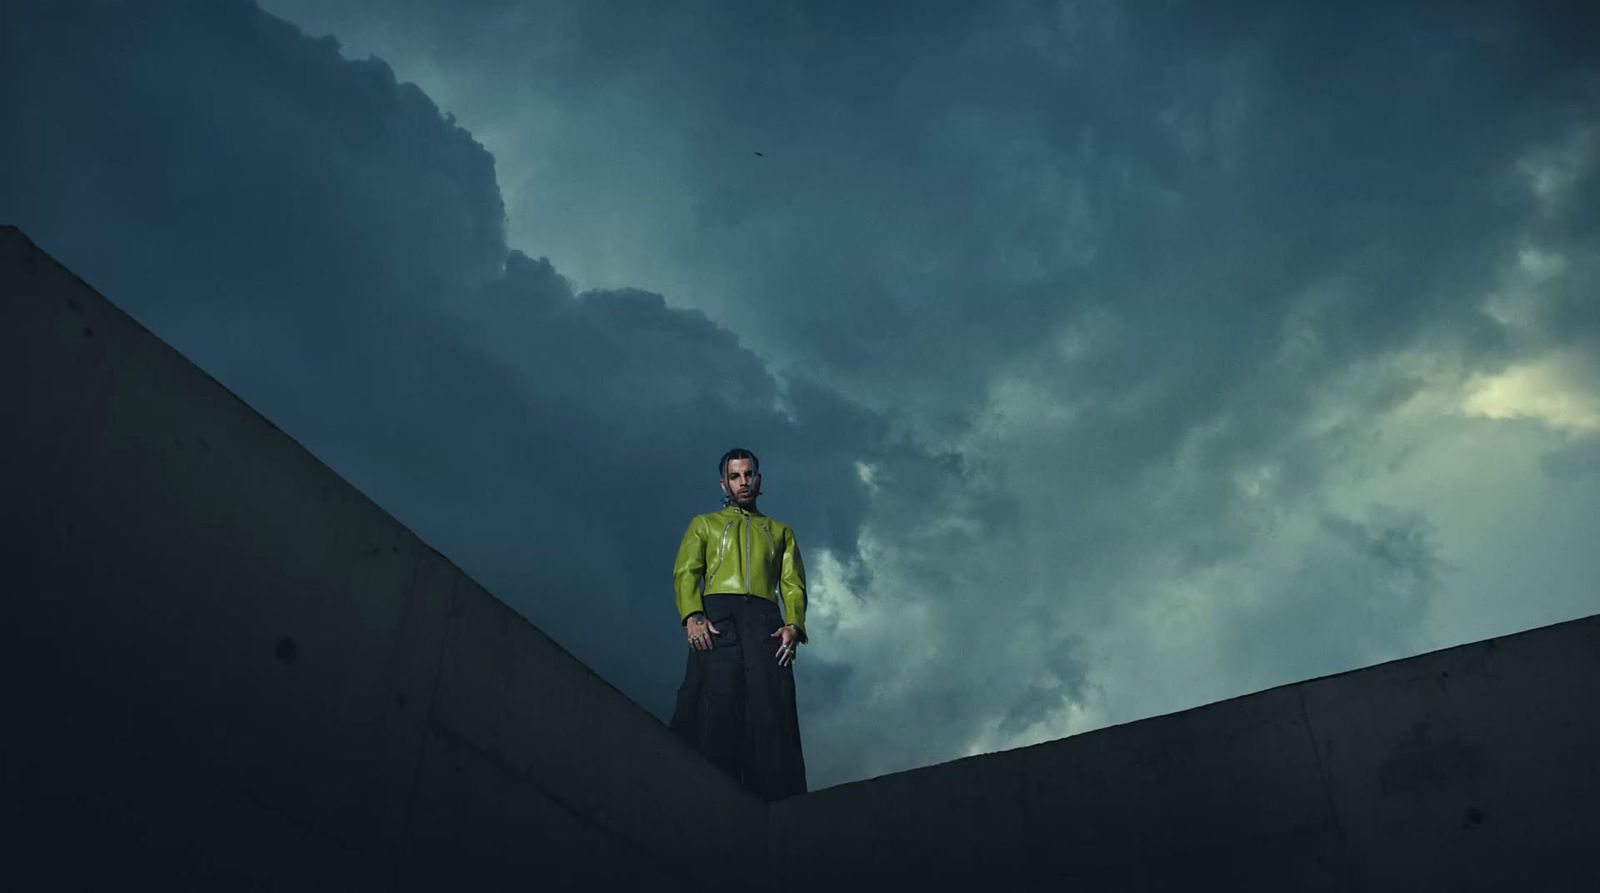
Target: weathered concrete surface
225 668
1471 768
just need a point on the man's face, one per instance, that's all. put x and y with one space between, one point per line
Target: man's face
741 482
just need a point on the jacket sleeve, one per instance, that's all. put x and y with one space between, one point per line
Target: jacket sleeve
688 570
792 582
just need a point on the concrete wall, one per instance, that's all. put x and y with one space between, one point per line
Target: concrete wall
224 668
1471 768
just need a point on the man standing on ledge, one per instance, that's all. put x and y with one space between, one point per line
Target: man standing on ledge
736 705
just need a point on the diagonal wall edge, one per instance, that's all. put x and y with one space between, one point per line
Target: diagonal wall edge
1470 768
225 667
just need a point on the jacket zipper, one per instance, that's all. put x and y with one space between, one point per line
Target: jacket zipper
722 551
772 553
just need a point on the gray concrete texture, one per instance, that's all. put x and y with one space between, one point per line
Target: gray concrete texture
227 669
1471 768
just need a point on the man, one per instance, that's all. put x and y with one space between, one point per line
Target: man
736 705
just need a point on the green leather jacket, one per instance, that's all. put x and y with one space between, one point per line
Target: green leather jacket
740 552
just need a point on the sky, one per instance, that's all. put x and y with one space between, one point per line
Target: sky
1107 359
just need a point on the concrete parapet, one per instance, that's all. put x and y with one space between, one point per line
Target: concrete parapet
1470 768
225 667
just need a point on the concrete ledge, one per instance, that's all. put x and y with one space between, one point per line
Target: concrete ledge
1470 768
226 667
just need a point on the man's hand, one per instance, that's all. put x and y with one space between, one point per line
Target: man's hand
790 640
700 631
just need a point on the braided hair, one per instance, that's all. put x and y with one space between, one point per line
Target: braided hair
736 453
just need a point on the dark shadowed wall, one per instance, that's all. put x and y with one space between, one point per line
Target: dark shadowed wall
1471 768
225 668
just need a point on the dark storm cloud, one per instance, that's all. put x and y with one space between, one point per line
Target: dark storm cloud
330 246
1147 277
948 186
226 137
1075 332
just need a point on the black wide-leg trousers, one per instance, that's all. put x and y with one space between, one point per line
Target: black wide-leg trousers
736 706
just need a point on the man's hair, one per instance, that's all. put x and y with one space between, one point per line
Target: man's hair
736 453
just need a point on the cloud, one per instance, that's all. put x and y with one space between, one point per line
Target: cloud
1551 389
174 121
1107 363
330 245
